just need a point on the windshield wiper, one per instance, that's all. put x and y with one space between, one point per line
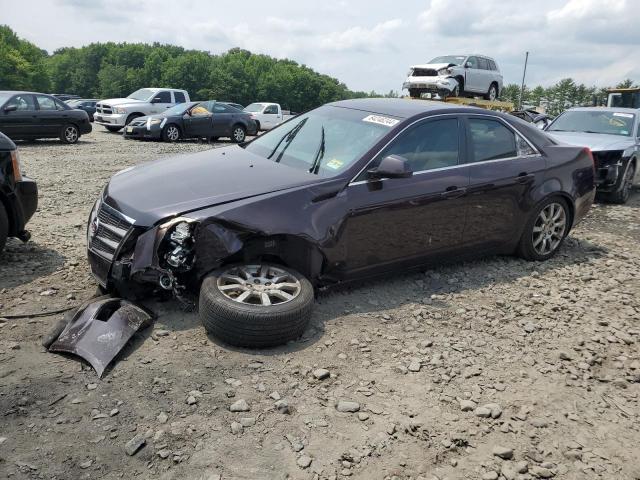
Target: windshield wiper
289 136
315 166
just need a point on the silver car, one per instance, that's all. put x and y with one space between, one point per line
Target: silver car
455 76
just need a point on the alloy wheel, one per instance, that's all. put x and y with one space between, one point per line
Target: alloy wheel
549 228
71 134
172 133
259 285
238 134
492 93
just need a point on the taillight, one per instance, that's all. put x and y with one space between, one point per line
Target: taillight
15 163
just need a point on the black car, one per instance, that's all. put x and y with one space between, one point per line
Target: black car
209 120
234 105
65 96
29 115
86 104
18 194
613 135
349 190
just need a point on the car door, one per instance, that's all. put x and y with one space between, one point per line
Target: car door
19 116
392 221
161 101
222 120
52 116
484 75
271 116
198 122
503 168
472 74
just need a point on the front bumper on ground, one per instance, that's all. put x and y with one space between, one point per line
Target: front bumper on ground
140 131
110 120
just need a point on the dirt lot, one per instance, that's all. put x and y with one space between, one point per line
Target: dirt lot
491 369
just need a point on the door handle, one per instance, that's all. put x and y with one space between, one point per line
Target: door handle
453 192
524 177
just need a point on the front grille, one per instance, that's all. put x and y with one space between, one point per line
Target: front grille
425 72
104 108
109 230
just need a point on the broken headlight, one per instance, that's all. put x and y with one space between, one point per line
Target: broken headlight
444 71
178 248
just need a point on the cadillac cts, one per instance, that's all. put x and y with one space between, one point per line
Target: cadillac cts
352 189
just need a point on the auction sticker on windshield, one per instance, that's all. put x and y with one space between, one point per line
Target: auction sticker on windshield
625 115
381 120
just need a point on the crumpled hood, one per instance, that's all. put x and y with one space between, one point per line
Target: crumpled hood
595 141
435 66
164 188
119 102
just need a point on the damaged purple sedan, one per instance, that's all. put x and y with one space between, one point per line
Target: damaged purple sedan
349 190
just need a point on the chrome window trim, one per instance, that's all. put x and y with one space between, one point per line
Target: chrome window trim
504 122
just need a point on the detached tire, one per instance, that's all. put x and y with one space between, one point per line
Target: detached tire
545 230
234 309
4 227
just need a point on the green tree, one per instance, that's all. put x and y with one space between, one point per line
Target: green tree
22 64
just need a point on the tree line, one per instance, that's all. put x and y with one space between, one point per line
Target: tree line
107 70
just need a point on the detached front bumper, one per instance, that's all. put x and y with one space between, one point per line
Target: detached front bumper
111 119
141 132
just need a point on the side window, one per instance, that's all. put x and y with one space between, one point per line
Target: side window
427 146
22 102
61 105
483 64
46 103
220 108
492 65
524 149
473 61
199 111
490 140
179 96
164 97
272 109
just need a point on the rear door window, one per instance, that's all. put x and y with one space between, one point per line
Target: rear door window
272 109
490 140
46 103
179 96
483 64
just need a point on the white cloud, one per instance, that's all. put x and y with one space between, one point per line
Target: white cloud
360 38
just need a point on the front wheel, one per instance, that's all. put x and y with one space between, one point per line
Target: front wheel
171 133
257 305
545 231
69 134
623 192
114 129
238 134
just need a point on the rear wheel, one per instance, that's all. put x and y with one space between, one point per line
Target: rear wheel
492 94
256 305
171 133
238 134
114 129
545 231
623 192
69 134
4 226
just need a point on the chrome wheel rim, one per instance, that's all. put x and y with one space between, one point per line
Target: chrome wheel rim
549 228
628 182
238 134
172 134
263 285
71 134
492 93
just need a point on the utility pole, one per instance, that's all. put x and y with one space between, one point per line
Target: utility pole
524 74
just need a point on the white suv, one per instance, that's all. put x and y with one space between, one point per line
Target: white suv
115 113
455 76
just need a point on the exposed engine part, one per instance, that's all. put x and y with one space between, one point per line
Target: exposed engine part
179 254
181 233
166 282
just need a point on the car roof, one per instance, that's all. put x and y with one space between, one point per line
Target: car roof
608 109
14 92
6 143
395 107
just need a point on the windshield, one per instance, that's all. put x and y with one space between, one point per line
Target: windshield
594 121
455 59
143 94
254 107
325 141
178 109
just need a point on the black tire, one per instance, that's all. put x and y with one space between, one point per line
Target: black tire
526 248
4 227
493 91
69 134
238 133
215 139
623 191
251 325
257 127
132 117
114 129
415 92
171 133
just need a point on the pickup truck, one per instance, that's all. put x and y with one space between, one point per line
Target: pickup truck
115 113
267 115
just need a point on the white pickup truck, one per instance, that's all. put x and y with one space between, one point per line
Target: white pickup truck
115 113
267 115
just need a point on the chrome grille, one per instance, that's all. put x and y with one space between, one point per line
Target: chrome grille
104 108
108 231
424 72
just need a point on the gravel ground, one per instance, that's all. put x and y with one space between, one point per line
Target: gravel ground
497 368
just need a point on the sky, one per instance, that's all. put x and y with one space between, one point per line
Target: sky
369 45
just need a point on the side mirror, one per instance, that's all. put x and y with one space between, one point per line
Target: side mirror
468 65
393 166
10 108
